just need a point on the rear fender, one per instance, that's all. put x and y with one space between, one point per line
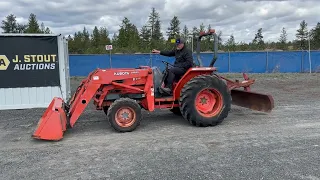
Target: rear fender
191 73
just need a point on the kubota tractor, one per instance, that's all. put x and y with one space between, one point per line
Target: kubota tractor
201 96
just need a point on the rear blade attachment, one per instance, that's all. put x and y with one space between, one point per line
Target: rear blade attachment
53 122
252 100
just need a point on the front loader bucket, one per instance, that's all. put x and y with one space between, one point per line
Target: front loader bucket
53 122
252 100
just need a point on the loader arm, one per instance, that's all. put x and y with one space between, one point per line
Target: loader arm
96 86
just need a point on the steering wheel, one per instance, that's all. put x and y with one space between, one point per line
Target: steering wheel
167 63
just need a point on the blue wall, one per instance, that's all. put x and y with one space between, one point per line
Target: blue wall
251 62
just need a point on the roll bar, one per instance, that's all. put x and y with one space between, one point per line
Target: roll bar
215 46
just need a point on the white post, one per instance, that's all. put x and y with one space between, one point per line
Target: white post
191 36
192 43
309 54
229 65
109 48
150 54
110 60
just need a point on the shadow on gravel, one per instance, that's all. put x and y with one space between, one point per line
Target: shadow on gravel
93 123
20 124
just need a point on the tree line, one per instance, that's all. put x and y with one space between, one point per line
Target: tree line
131 39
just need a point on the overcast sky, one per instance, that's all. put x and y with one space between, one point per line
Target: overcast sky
241 18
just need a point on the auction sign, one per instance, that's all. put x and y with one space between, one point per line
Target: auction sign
29 61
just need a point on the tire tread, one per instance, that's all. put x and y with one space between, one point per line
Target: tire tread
187 98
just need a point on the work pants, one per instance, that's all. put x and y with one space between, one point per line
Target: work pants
175 73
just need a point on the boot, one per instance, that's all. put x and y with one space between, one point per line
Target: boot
167 90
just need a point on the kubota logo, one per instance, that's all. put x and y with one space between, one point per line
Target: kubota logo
121 73
4 62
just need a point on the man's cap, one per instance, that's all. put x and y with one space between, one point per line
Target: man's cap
180 41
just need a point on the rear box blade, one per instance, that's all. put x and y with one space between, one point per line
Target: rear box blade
252 100
52 123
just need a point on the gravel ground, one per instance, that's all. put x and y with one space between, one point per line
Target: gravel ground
284 144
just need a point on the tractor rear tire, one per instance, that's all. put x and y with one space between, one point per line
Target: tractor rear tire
194 104
124 106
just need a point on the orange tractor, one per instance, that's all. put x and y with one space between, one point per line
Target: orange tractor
200 96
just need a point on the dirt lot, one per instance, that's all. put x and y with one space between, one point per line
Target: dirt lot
247 145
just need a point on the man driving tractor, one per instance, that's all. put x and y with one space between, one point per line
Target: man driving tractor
183 61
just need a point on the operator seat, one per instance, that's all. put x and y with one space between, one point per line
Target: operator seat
157 78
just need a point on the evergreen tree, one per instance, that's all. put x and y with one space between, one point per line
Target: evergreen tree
128 39
104 37
208 43
95 37
85 37
315 37
10 25
231 44
71 45
185 32
195 34
47 31
123 37
155 29
258 40
185 35
302 35
157 34
203 43
33 26
145 36
174 28
94 41
114 40
44 30
21 28
134 39
202 27
195 31
153 17
283 39
76 43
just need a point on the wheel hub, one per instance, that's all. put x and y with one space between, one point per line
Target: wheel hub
209 102
125 117
203 100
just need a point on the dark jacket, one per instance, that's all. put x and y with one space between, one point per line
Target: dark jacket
184 58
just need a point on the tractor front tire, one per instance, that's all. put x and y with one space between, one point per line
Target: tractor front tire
124 115
205 101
